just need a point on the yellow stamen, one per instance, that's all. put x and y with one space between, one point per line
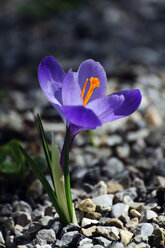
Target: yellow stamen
94 83
83 90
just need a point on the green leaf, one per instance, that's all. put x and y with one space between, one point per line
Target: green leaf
46 185
67 178
58 178
45 146
11 159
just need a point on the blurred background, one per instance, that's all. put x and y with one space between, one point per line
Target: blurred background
126 37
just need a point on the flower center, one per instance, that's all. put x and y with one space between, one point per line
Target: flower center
94 83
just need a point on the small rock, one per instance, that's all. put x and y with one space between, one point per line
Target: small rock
120 209
50 211
94 215
56 226
98 246
112 222
113 187
22 246
99 189
153 117
117 245
85 241
103 241
87 205
141 134
161 220
22 218
60 243
46 220
126 237
86 246
159 237
150 214
18 230
68 237
2 241
31 229
131 225
113 167
21 206
141 245
160 181
103 202
135 213
123 151
89 231
146 230
113 140
111 233
47 235
87 222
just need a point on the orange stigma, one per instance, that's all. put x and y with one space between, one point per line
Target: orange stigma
94 83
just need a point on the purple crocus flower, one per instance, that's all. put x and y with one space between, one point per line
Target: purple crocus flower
79 97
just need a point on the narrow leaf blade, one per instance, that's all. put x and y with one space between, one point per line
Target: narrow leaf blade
46 185
45 145
67 179
58 178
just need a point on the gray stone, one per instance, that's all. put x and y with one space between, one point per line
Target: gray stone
103 241
46 220
113 166
60 243
87 222
99 189
56 226
103 202
86 246
41 246
150 214
117 245
31 229
21 218
146 230
120 209
98 246
85 241
68 237
47 235
21 206
141 134
113 140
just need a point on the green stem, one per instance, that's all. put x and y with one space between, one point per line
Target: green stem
67 179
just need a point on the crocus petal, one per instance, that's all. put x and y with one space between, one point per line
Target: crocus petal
51 76
59 110
117 105
88 69
81 116
71 89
